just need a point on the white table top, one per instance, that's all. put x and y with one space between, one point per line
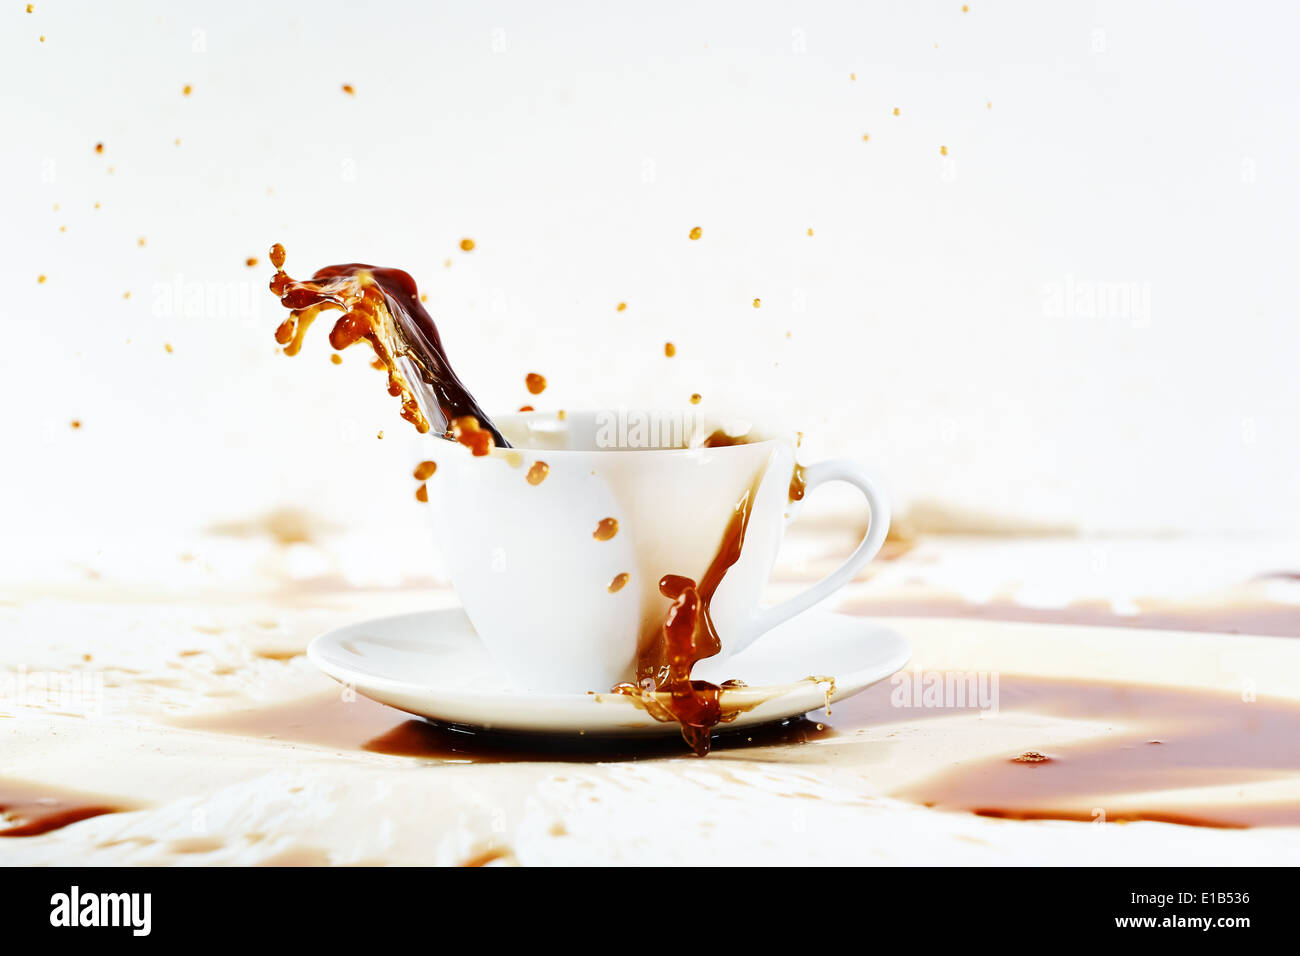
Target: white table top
178 662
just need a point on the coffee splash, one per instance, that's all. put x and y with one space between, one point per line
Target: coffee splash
664 686
381 306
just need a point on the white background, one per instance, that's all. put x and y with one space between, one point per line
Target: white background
936 324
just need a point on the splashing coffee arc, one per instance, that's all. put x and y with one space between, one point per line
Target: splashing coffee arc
381 306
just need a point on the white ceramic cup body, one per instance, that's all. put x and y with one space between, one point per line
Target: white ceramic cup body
534 580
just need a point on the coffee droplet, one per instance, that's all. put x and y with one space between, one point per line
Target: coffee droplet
943 150
669 349
424 470
277 254
537 472
335 358
798 483
616 585
472 435
622 306
607 528
696 398
349 89
697 232
250 261
1031 756
467 245
422 493
757 303
527 408
535 383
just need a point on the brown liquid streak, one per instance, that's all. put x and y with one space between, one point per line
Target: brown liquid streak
686 637
798 483
381 306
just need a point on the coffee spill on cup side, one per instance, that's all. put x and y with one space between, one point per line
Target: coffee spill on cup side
798 483
664 662
381 306
720 439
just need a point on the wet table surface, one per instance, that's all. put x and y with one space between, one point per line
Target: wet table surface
1067 702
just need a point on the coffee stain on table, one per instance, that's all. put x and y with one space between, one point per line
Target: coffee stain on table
31 809
501 855
327 720
1156 740
296 856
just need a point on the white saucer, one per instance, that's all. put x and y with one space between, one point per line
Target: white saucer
433 664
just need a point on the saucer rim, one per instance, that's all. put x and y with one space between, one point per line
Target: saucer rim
765 697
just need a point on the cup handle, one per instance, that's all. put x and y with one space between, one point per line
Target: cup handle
838 469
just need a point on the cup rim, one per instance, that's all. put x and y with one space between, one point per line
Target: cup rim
501 421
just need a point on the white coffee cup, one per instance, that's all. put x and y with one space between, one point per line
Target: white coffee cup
535 579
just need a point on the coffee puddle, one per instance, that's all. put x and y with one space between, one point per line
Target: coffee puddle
362 724
1161 740
29 809
1157 741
